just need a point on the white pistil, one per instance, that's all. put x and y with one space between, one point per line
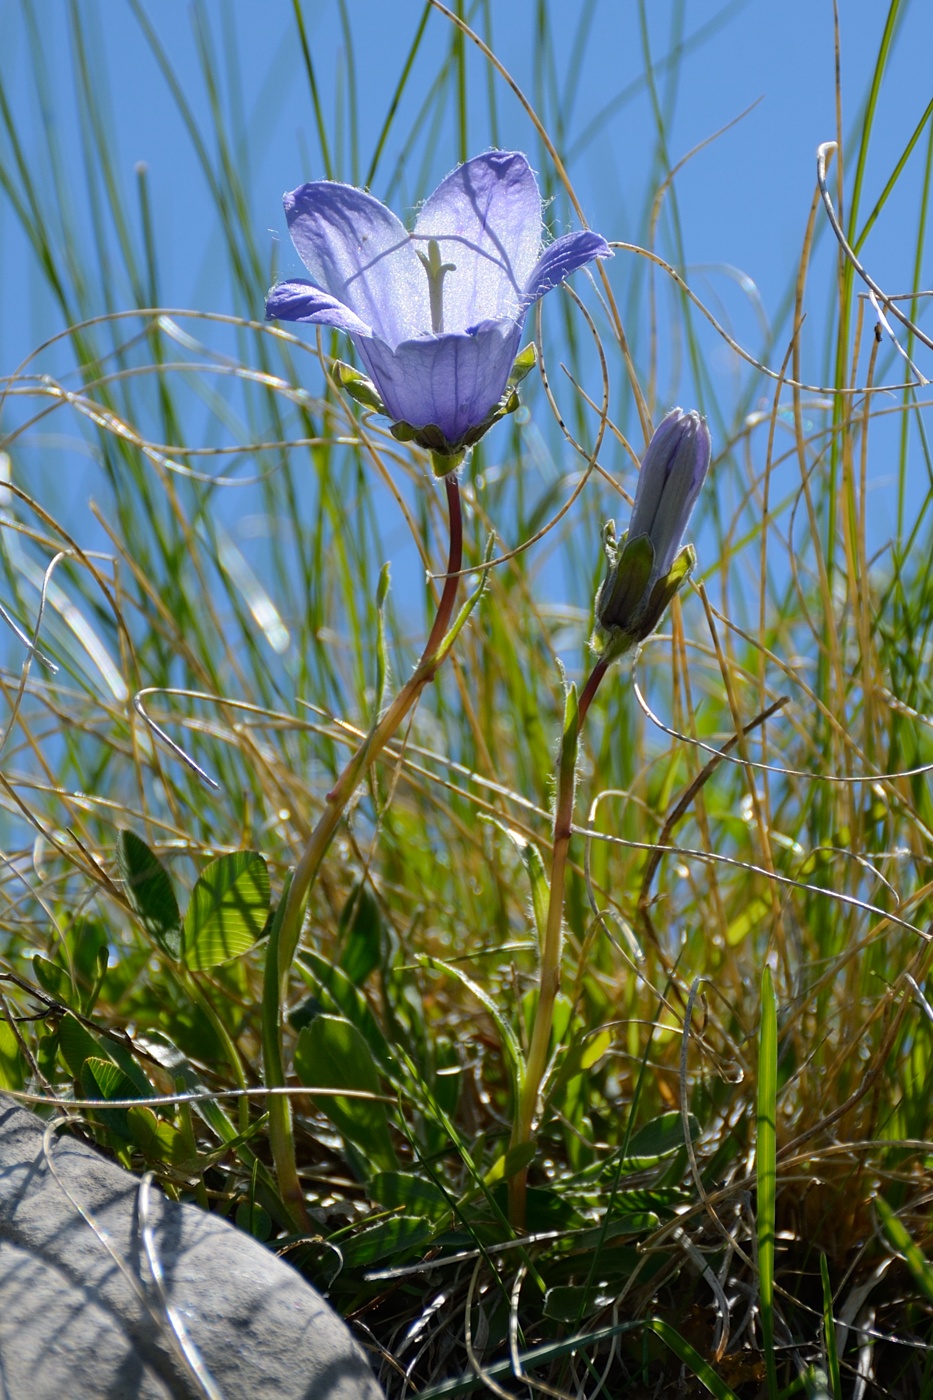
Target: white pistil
436 270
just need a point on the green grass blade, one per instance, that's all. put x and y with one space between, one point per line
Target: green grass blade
692 1358
829 1332
765 1168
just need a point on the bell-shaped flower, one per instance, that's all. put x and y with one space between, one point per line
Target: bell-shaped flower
436 315
647 566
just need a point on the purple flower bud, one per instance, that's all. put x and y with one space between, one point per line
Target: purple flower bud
648 566
437 314
672 472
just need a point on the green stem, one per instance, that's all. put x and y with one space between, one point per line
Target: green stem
226 1040
283 941
553 940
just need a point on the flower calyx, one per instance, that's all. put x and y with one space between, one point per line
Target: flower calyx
631 600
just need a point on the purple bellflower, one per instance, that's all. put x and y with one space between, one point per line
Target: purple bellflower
436 315
647 566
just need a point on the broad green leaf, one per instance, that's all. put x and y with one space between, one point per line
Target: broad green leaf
566 1302
108 1079
52 978
156 1139
579 1058
102 1079
511 1162
228 910
622 1225
332 1054
399 1235
342 996
362 932
404 1190
659 1138
149 890
11 1064
89 942
546 1209
78 1044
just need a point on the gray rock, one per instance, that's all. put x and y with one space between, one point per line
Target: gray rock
81 1315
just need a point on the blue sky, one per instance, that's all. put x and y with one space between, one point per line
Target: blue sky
759 74
743 199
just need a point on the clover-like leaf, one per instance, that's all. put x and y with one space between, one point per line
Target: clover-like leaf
228 910
149 891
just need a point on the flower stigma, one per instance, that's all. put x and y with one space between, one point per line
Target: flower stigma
436 270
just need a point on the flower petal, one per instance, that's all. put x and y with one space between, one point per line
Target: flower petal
486 216
564 256
358 251
451 380
672 472
302 301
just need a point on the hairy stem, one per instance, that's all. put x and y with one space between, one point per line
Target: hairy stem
282 951
553 939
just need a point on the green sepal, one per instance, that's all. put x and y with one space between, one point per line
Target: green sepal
355 384
623 617
621 596
662 595
525 362
442 465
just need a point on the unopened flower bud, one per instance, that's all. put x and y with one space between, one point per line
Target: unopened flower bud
647 566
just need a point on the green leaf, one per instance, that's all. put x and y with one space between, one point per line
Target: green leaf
156 1139
11 1064
343 997
228 910
691 1358
77 1044
332 1054
102 1079
108 1079
511 1162
400 1235
621 1226
362 933
52 978
523 364
660 1138
253 1220
537 875
150 893
580 1057
565 1302
829 1332
901 1240
417 1195
508 1037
